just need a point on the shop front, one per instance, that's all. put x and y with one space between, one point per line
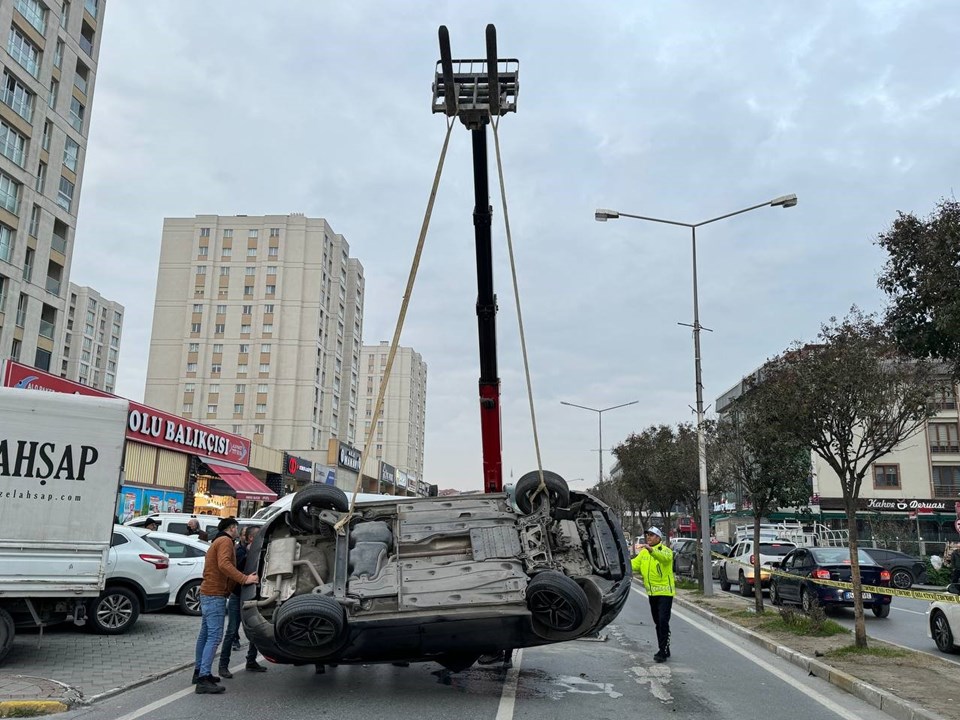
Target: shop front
388 478
297 472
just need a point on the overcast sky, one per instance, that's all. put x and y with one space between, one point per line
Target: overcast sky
678 110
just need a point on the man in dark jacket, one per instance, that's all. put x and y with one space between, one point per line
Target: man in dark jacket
220 575
193 528
233 614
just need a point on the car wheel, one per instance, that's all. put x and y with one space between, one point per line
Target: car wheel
310 622
775 594
7 632
307 504
189 598
881 611
940 629
556 602
901 578
114 612
724 582
806 600
557 490
745 587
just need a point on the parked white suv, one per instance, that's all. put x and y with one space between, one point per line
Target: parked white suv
136 582
187 556
737 568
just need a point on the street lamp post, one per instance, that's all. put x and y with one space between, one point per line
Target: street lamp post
599 413
784 201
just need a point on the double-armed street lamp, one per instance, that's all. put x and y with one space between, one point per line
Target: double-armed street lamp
599 413
784 201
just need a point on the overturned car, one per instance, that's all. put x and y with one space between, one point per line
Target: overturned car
443 579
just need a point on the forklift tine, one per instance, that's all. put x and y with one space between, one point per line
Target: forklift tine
446 64
493 85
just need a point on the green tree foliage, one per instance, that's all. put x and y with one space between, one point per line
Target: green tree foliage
922 279
772 468
851 398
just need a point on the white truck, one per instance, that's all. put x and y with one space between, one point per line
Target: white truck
60 465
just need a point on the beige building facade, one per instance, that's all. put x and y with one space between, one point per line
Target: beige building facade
90 339
49 73
257 329
399 436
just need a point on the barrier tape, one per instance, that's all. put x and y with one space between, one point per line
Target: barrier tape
875 589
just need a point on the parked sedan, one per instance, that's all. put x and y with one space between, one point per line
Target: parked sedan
905 570
685 557
943 622
187 555
804 566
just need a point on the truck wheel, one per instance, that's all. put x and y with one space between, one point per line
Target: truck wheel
308 503
310 622
557 490
7 631
114 612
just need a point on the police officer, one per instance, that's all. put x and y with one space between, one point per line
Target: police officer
654 563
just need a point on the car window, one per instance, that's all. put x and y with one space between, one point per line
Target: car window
841 556
177 527
117 539
777 549
174 549
147 539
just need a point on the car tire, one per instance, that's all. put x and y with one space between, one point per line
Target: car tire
901 578
556 602
7 633
775 598
114 612
306 505
557 490
310 622
188 600
807 600
745 587
724 581
940 629
881 611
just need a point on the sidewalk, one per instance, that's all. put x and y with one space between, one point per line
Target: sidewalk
68 665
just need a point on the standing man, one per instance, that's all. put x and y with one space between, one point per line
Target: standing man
220 575
232 639
654 564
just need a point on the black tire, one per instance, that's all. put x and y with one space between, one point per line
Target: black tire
881 611
940 629
807 601
745 587
7 633
310 622
724 581
901 578
114 612
556 602
557 490
189 598
307 503
775 598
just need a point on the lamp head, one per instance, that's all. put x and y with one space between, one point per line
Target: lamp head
604 215
784 201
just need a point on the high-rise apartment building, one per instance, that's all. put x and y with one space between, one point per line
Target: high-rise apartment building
49 71
90 339
398 439
257 329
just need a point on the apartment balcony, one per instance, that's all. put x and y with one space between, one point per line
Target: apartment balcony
46 329
53 286
86 45
59 243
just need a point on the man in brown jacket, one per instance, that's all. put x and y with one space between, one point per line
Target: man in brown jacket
220 576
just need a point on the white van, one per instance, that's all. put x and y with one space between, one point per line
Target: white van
284 503
177 522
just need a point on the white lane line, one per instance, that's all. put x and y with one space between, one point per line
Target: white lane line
157 704
809 692
900 609
508 697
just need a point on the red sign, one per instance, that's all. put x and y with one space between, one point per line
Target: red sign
144 424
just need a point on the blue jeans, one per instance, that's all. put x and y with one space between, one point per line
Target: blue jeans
213 608
233 634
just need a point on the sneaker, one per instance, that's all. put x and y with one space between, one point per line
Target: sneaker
225 672
196 677
206 687
659 657
255 667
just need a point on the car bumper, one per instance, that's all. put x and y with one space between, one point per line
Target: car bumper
838 597
155 601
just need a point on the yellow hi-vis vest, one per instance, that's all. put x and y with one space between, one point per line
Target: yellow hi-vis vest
656 568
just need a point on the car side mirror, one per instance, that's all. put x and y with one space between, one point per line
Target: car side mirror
954 588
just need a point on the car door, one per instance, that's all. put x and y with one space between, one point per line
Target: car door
186 563
788 585
730 567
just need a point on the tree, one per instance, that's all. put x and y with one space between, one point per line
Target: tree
922 279
772 468
851 398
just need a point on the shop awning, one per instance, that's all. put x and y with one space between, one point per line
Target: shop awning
245 486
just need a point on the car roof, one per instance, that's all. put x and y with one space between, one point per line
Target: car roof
191 540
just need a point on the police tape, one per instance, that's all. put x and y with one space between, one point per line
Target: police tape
874 589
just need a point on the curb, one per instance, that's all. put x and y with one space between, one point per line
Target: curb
146 679
885 701
30 708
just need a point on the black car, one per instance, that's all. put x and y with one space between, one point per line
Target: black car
684 559
905 570
443 579
804 566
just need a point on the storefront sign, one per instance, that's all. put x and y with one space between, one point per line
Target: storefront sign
324 474
297 467
144 424
401 479
897 505
348 457
388 473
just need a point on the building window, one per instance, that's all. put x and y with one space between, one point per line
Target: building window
274 232
946 481
201 269
248 290
262 388
197 308
268 309
251 252
943 438
194 327
189 387
273 252
13 144
204 232
258 429
77 111
9 193
24 51
225 271
215 368
214 389
52 93
238 408
35 13
71 154
211 409
221 309
250 270
270 290
240 389
244 348
219 328
228 233
252 233
246 309
16 95
226 252
261 407
41 177
271 269
244 329
886 476
265 348
242 369
191 367
944 398
65 194
187 408
202 251
264 367
268 328
217 348
6 243
81 78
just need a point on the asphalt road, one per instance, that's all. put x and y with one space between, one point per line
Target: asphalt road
712 674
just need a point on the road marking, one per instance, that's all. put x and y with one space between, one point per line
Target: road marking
809 692
157 704
915 612
509 695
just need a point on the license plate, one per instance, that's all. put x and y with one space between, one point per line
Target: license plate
849 596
